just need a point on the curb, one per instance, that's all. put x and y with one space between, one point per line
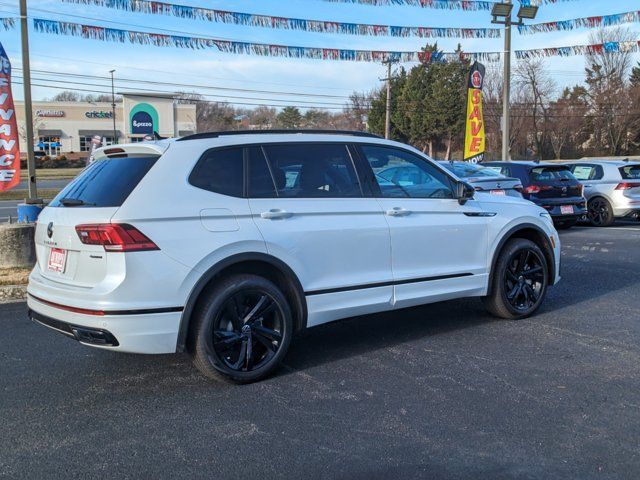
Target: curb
13 293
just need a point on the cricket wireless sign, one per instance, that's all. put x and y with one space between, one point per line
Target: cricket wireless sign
474 139
9 147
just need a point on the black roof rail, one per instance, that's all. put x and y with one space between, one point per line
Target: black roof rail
199 136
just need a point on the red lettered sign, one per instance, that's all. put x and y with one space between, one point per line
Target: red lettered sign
9 143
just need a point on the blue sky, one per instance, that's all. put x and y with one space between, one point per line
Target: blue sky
208 67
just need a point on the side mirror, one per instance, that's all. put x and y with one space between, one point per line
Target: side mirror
464 192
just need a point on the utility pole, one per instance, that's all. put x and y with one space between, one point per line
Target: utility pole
28 108
113 107
506 94
387 122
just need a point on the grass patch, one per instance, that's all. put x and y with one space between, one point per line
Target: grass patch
14 276
57 173
46 193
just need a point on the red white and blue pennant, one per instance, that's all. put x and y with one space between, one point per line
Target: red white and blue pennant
285 23
597 49
262 49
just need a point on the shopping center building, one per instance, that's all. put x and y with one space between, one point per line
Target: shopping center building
68 127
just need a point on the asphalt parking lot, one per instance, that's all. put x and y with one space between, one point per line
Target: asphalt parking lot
441 391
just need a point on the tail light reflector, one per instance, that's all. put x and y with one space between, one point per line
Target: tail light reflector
532 189
627 185
115 237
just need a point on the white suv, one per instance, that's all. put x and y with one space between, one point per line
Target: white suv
227 244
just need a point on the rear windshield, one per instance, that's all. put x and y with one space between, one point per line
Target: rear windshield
466 170
632 172
550 174
105 183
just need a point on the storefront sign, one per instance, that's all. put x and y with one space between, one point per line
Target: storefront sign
9 145
98 114
144 119
49 113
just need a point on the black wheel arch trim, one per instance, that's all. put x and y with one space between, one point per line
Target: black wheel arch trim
204 280
509 235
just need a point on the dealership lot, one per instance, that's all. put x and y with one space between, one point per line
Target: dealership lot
441 391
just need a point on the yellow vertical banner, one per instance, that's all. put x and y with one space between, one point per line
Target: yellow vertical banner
474 139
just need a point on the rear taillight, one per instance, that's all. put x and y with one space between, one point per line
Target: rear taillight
532 189
627 185
115 237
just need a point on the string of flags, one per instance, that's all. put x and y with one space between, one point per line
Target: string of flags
8 22
262 49
586 22
470 5
269 21
597 49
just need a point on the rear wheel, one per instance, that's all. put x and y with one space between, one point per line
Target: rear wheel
519 280
600 212
242 329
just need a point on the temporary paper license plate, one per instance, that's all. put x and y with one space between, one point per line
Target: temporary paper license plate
498 192
57 260
566 209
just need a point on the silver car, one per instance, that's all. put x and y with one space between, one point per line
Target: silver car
485 179
612 189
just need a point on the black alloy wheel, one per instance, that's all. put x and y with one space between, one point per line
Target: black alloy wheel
242 329
524 279
247 332
519 280
600 213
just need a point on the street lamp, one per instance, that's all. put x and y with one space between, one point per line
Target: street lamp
501 13
113 107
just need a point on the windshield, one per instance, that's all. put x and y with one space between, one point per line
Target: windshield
466 170
105 183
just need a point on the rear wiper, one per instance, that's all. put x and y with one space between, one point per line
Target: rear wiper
74 202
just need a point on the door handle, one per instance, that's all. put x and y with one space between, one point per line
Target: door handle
398 212
275 214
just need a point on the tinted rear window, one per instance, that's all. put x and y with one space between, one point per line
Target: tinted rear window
106 182
550 174
466 170
632 172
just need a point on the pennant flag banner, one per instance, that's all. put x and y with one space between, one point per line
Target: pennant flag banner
268 21
227 46
8 22
598 49
586 22
472 5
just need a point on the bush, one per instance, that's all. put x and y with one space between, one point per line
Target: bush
61 161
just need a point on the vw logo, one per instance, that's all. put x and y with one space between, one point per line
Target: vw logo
246 328
50 230
564 189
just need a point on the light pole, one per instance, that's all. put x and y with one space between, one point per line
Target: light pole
28 108
502 11
113 107
387 120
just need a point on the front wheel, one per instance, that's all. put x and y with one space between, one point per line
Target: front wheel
242 329
519 280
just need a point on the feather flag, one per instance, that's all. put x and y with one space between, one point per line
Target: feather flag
228 46
585 22
268 21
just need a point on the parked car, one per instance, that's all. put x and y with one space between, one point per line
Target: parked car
226 244
552 186
612 189
485 179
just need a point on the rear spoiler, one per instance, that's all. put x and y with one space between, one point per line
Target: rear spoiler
132 150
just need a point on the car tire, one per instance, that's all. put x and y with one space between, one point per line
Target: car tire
566 224
519 280
600 213
241 329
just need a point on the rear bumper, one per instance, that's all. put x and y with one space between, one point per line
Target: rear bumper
128 331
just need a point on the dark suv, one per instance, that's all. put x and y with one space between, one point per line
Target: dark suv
553 187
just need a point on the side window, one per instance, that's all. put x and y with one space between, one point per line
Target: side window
586 172
402 174
261 183
219 171
303 170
